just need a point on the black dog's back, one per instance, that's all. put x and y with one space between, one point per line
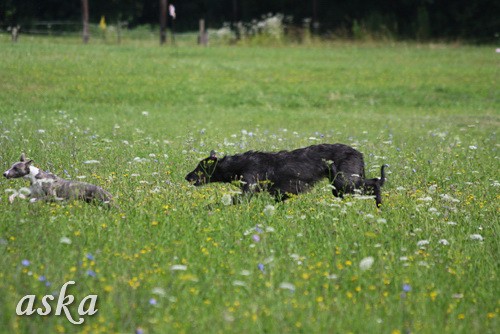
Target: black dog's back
290 172
295 171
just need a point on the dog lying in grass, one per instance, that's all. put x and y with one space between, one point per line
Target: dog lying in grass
47 186
291 172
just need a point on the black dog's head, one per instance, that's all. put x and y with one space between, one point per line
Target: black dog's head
19 169
203 172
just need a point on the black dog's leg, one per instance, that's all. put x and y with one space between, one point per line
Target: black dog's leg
248 188
279 196
375 185
372 186
332 177
341 184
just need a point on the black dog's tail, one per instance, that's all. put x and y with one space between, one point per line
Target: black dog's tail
382 175
375 184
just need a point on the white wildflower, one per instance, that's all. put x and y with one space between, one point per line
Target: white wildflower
268 259
239 283
228 317
89 162
448 198
269 210
434 211
226 199
159 291
140 160
476 237
444 242
178 267
287 286
422 243
366 263
65 240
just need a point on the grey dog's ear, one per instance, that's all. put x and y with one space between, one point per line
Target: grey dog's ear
22 158
213 155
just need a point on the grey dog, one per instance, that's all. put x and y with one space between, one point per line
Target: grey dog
47 186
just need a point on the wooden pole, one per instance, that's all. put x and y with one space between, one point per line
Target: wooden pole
315 23
15 33
85 18
119 31
163 22
202 35
236 20
235 11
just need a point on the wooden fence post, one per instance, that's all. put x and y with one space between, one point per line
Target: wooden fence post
163 21
203 35
15 33
85 17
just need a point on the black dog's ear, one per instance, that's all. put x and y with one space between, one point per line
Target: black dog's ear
22 158
213 155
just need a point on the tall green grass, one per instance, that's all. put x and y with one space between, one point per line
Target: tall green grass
175 258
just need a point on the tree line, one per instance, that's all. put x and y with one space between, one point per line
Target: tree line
474 20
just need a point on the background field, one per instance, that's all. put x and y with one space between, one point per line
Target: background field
177 259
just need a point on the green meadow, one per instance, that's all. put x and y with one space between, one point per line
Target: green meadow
136 118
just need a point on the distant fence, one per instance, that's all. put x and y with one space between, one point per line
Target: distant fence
113 32
48 28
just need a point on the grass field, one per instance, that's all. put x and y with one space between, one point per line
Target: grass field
174 258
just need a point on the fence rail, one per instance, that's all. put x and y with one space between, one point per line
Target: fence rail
46 28
74 29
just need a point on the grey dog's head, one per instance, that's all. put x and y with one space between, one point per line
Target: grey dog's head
19 169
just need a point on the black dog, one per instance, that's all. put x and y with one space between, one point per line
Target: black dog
291 172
